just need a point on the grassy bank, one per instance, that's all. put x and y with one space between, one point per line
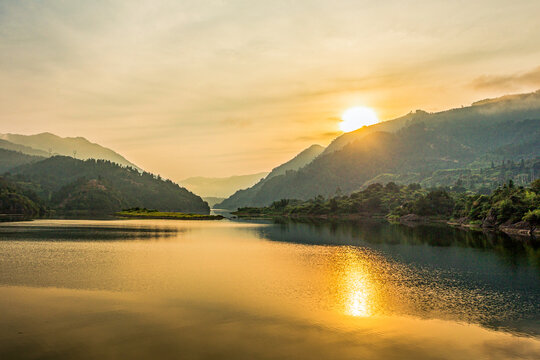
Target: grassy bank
154 214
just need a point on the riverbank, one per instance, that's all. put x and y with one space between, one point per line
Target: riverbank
521 229
148 214
510 209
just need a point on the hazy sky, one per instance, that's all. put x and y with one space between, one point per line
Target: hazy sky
185 88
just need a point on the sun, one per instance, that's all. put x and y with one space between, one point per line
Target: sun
356 117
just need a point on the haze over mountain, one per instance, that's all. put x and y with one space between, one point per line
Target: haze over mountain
299 161
212 201
7 145
47 144
250 195
222 187
417 145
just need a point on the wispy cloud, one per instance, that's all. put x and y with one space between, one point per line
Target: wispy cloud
322 136
190 78
508 82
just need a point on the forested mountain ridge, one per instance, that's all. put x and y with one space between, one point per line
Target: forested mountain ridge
47 144
100 186
419 143
249 196
479 180
10 159
488 111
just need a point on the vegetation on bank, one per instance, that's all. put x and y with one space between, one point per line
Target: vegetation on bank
155 214
18 203
507 206
66 185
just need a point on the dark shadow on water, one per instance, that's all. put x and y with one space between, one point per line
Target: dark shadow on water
374 233
86 233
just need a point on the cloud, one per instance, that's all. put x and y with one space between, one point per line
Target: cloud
317 137
509 81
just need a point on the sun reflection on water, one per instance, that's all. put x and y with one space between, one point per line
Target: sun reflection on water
359 299
356 289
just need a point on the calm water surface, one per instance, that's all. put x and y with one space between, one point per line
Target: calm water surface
245 290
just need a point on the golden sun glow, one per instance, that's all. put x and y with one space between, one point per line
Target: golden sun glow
355 289
357 117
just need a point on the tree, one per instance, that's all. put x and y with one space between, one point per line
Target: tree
392 187
535 186
334 205
533 218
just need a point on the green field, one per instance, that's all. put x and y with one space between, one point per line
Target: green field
154 214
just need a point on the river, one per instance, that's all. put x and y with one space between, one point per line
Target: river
164 289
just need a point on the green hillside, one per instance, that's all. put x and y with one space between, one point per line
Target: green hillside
508 206
98 186
17 203
422 144
10 159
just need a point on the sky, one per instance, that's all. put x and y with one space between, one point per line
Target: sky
220 88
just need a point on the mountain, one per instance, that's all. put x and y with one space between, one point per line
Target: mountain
212 201
488 112
47 144
10 159
420 143
299 161
253 195
4 144
100 186
221 187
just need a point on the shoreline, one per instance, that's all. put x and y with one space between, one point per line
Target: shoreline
166 216
115 216
406 220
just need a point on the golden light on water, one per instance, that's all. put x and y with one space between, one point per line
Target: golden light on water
357 291
359 299
357 117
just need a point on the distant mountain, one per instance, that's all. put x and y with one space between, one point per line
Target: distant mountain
253 195
4 144
420 143
213 200
221 187
47 144
299 161
10 159
99 186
